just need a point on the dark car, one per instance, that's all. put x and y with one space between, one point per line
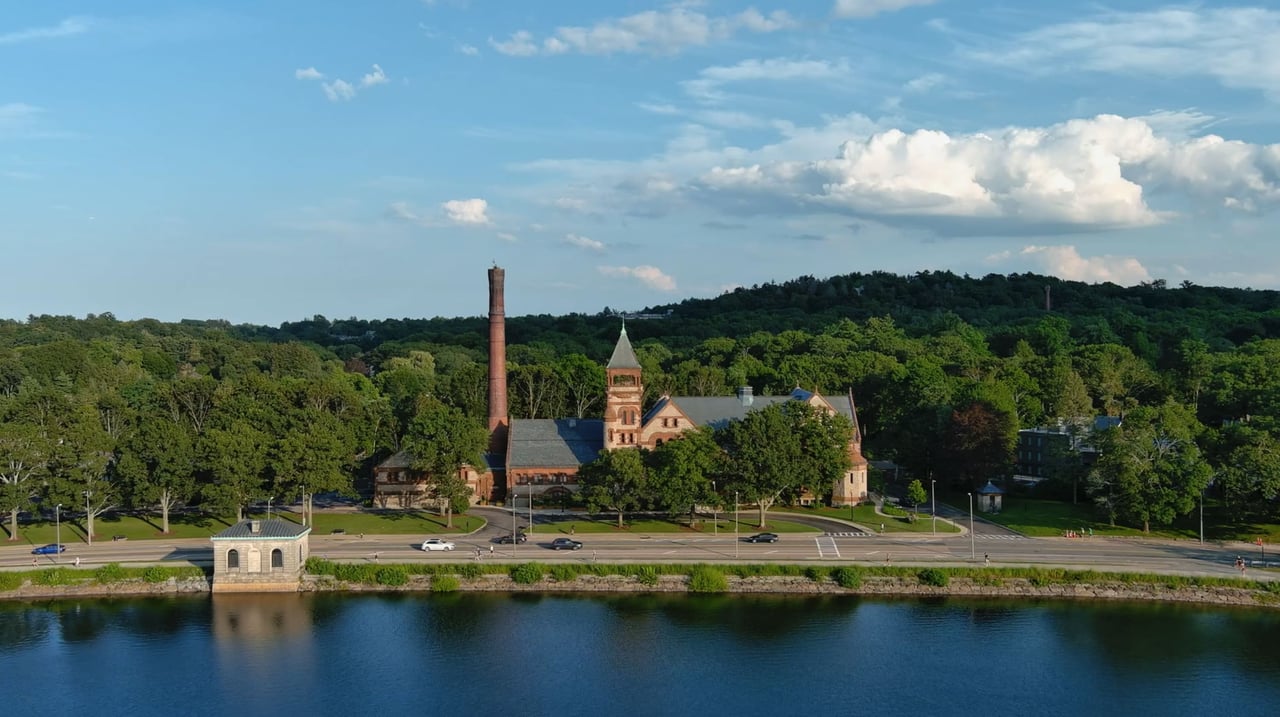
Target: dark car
50 549
508 539
565 544
763 538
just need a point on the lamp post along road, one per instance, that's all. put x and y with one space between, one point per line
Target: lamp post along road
973 548
736 541
933 503
88 521
715 510
57 527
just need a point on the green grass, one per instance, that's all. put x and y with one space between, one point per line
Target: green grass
390 522
866 516
605 524
1048 518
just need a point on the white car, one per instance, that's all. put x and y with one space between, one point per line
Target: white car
436 544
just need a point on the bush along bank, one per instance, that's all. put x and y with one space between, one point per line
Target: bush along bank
105 580
324 575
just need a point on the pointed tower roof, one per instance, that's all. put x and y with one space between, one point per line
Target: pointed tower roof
857 427
623 355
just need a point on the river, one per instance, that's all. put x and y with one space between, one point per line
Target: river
533 655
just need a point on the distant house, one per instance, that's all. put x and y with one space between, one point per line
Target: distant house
397 485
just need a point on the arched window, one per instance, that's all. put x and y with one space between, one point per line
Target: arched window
233 559
277 558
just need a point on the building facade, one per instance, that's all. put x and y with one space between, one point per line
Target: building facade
260 556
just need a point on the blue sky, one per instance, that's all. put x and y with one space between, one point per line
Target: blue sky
264 162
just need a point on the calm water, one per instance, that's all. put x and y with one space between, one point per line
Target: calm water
468 654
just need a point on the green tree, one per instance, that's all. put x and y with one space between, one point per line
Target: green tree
1249 472
81 468
314 455
615 481
441 440
680 471
583 380
235 460
980 441
23 454
916 494
1150 469
157 463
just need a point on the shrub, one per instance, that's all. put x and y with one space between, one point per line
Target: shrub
470 571
352 573
10 581
393 575
564 572
527 573
54 576
444 584
647 575
155 574
816 573
110 573
320 566
847 577
706 579
934 577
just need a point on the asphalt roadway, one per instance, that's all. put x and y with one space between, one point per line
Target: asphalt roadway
839 543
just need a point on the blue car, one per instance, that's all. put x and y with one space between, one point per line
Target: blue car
50 549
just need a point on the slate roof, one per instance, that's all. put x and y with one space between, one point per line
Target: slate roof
554 443
990 489
623 355
717 411
403 459
272 529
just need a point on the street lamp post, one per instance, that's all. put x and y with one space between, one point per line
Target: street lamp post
269 506
933 503
530 507
57 527
1202 517
973 548
715 510
512 501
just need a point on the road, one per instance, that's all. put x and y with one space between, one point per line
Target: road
835 547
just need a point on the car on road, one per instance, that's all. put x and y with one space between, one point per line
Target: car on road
763 538
508 539
50 549
436 544
564 544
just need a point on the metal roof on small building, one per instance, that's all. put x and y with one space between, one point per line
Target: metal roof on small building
554 443
990 489
270 529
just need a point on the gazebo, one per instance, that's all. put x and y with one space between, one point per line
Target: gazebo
260 556
990 498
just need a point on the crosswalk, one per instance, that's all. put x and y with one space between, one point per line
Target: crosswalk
862 534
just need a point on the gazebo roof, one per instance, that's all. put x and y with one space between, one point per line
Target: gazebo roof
990 489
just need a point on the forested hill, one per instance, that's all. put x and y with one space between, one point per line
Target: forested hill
1150 318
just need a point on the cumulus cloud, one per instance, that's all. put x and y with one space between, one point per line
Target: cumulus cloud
1065 262
780 69
466 49
1080 174
339 90
653 31
1235 45
867 8
583 242
467 211
377 77
507 236
650 276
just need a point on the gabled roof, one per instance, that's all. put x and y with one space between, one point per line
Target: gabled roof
717 411
554 443
623 355
404 459
271 529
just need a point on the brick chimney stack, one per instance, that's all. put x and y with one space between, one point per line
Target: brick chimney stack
497 362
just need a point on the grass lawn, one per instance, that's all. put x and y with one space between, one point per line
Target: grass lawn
866 516
391 522
603 524
1048 518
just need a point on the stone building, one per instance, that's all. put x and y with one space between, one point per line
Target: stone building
260 556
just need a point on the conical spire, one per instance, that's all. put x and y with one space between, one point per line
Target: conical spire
623 355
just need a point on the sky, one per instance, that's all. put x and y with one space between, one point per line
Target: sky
267 162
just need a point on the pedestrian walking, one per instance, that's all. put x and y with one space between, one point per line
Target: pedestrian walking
35 562
571 529
375 557
986 560
491 551
77 561
593 556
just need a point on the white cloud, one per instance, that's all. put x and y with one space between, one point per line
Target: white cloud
507 236
466 211
779 69
66 28
650 276
653 31
401 210
924 83
658 109
583 242
18 119
1236 46
1065 262
309 73
867 8
377 77
338 90
572 204
471 50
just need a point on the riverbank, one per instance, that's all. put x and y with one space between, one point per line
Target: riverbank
900 582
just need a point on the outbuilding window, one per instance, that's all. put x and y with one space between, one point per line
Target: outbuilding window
233 559
277 558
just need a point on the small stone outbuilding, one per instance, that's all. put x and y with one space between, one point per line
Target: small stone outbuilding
260 556
990 498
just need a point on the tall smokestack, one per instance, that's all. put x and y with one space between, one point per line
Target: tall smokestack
497 362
